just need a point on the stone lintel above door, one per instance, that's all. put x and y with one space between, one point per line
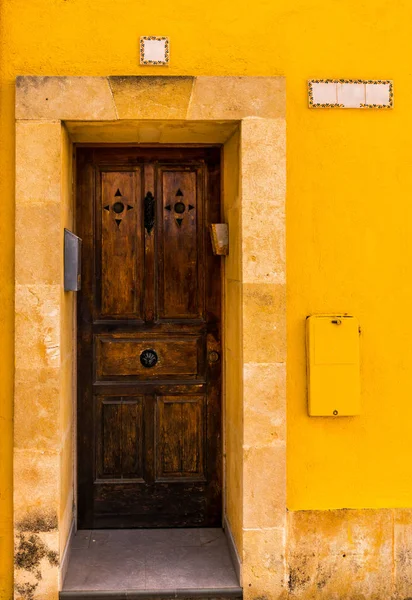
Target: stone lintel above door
150 97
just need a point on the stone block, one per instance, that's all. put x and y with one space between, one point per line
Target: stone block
37 326
36 574
263 176
36 413
263 246
263 571
264 485
264 403
36 489
263 165
64 98
39 243
264 323
151 97
38 161
237 98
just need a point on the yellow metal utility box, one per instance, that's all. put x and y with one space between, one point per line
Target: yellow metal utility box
333 365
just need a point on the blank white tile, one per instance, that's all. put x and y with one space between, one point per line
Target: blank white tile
324 93
378 93
154 50
351 95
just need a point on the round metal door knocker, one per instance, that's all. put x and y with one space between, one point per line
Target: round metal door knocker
149 358
213 356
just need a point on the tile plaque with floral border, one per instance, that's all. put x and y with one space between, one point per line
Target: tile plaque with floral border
154 50
350 93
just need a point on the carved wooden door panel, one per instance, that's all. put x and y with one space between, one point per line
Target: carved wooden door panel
149 364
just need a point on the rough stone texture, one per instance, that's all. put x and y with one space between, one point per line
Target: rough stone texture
264 322
35 263
264 574
37 326
38 162
263 163
343 554
340 554
151 97
36 408
61 98
264 257
37 492
264 386
43 352
403 553
237 98
36 563
263 275
263 148
264 488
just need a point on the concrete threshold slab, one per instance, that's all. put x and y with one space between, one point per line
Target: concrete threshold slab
150 564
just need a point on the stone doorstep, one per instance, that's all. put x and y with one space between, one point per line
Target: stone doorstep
235 593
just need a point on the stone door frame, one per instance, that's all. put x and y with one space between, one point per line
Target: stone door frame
247 116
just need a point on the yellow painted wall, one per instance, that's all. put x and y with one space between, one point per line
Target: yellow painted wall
348 206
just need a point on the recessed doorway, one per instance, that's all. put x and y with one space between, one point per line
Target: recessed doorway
149 345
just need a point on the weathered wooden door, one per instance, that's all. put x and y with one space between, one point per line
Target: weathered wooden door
149 351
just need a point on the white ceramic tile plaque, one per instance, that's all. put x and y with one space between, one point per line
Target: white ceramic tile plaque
379 94
154 50
350 93
324 93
